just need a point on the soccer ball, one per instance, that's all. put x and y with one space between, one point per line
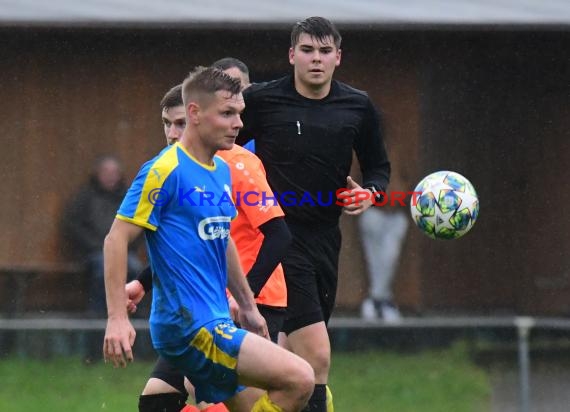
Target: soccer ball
444 205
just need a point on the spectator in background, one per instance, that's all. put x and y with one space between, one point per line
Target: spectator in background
87 221
382 232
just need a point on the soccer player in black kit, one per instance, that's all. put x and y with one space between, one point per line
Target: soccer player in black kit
306 126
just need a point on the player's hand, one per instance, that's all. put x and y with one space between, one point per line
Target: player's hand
252 321
135 293
119 340
356 199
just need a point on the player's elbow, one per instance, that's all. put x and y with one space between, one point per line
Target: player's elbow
114 239
109 243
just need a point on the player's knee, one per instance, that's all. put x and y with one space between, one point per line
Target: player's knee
164 402
320 360
303 380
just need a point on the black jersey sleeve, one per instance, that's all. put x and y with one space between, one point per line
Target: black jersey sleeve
277 239
371 151
145 278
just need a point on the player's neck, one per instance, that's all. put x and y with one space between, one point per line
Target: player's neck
198 151
313 92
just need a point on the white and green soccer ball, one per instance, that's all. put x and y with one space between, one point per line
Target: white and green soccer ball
445 205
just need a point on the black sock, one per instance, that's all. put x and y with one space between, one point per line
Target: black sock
318 400
162 402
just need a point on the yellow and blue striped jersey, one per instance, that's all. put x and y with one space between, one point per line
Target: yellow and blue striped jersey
186 209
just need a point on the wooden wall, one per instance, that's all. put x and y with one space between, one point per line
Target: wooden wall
492 105
495 106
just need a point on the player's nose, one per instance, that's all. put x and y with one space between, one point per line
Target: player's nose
173 132
238 123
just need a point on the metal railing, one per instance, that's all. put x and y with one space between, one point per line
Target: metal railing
522 325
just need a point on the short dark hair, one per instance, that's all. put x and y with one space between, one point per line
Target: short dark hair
172 98
203 82
317 27
229 63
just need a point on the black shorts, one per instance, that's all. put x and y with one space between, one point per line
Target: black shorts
168 373
311 275
275 317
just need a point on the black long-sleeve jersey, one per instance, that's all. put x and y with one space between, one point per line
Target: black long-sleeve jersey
306 145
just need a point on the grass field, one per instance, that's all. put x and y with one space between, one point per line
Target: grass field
438 381
431 381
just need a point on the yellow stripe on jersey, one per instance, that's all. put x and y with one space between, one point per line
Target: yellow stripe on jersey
204 165
137 222
155 178
204 342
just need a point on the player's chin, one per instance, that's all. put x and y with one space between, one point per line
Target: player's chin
228 143
318 78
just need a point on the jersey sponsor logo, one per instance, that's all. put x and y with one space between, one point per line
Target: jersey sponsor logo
216 227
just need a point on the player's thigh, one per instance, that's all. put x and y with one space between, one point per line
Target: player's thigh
310 342
165 378
155 386
311 274
265 365
303 301
283 342
326 259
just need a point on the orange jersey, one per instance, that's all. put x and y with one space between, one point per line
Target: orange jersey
248 175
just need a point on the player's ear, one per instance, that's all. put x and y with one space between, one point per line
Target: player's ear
192 112
338 57
291 56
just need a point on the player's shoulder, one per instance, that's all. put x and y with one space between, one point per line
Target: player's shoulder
266 88
165 161
346 90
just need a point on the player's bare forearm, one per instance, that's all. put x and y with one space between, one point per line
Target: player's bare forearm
249 316
119 333
237 283
115 251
